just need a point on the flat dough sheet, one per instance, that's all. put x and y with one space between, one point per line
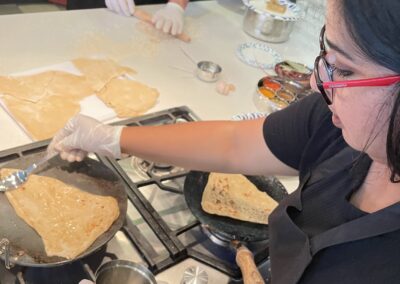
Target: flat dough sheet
98 72
44 102
128 97
44 118
70 86
68 220
31 88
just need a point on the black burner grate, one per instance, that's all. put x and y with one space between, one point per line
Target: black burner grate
180 243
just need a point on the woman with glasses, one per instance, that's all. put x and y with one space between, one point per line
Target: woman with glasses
342 225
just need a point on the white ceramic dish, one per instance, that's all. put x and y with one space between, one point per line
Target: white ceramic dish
258 55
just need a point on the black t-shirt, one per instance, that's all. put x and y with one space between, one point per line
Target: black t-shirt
303 137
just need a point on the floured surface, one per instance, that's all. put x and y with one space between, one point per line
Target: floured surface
68 220
128 97
234 196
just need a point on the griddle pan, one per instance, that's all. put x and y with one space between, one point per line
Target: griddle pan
231 229
27 248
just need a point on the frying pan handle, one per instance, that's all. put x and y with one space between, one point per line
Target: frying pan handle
245 260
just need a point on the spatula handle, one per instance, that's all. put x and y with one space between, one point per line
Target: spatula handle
245 260
37 164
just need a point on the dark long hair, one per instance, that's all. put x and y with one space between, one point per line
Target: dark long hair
374 26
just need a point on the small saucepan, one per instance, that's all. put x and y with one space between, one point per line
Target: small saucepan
124 271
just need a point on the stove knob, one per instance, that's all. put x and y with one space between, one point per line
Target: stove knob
195 275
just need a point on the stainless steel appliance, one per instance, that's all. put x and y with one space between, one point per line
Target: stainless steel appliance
159 231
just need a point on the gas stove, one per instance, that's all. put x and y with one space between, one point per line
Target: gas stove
159 231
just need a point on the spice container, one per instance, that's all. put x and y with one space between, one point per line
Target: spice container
291 70
274 93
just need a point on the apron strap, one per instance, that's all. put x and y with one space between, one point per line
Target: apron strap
371 225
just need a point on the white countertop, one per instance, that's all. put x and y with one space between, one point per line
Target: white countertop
31 41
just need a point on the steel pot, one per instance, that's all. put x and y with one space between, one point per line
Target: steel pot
264 26
123 271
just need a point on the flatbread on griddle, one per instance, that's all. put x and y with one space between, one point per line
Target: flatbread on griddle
68 219
234 196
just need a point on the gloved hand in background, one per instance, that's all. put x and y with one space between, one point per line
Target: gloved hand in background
83 134
121 7
85 281
169 19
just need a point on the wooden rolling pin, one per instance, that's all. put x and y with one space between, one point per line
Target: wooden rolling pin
146 17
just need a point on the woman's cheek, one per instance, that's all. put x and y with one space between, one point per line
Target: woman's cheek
313 83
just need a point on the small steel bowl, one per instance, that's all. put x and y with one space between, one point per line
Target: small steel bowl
208 71
124 271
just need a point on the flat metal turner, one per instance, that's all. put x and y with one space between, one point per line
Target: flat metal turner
18 178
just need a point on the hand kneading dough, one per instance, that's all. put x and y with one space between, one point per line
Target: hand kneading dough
68 220
128 97
234 196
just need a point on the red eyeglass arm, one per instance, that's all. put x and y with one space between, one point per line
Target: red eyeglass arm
384 81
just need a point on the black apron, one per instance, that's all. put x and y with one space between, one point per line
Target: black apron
291 250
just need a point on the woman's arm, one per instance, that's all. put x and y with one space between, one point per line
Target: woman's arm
221 146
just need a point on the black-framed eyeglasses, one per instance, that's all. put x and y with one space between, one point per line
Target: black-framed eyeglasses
324 75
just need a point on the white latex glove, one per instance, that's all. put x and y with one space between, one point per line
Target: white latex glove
83 134
169 19
85 281
121 7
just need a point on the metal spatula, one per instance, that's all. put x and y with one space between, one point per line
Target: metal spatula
20 177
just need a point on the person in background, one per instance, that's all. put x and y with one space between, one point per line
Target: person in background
342 225
169 19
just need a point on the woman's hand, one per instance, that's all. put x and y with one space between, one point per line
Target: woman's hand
121 7
169 19
85 281
83 134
